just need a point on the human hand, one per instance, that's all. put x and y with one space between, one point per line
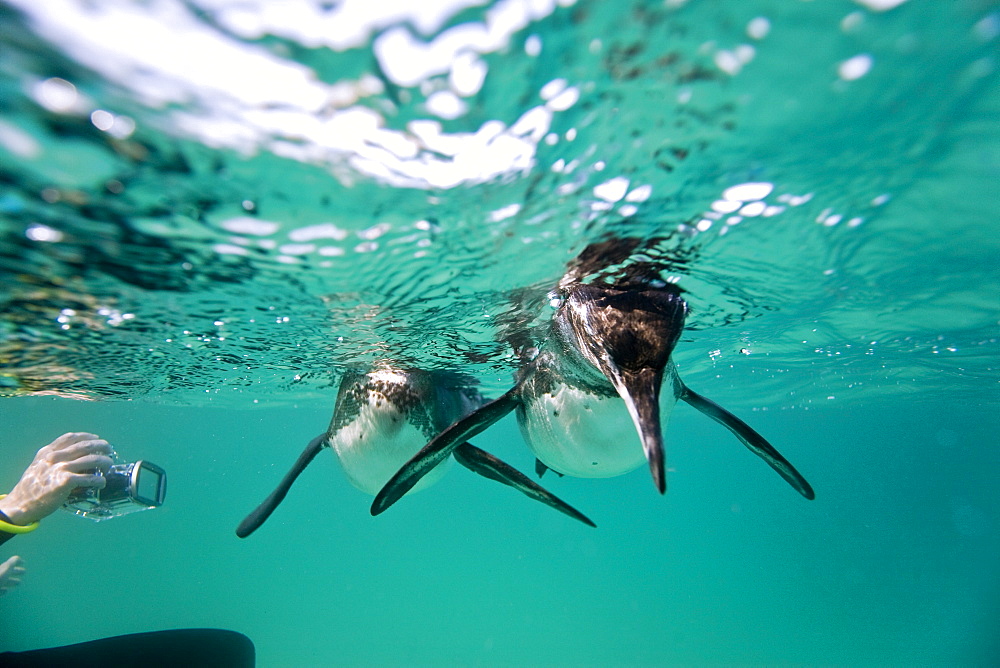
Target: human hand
60 467
10 574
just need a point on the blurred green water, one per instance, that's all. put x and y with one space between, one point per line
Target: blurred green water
894 563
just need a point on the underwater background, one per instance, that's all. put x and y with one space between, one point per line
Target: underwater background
210 210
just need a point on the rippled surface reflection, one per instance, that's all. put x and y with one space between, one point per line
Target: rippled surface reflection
226 202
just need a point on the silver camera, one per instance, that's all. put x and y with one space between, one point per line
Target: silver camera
129 488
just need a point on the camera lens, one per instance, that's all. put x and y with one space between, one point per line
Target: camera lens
116 485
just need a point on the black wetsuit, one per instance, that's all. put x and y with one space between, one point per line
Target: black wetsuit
190 648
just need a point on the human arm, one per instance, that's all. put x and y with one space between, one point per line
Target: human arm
63 465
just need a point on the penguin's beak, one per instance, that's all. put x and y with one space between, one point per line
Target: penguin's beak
641 392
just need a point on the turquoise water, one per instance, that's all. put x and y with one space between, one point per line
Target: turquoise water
199 240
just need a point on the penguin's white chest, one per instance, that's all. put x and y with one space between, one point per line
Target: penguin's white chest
581 434
372 447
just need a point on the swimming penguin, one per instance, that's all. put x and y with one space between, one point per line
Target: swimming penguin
608 344
382 418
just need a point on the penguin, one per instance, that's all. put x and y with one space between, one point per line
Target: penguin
381 419
606 359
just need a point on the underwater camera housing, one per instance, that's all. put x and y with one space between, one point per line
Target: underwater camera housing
129 488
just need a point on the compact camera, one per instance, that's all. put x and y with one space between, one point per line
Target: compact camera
128 488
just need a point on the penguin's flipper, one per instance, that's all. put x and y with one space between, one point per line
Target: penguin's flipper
260 514
750 438
489 466
441 447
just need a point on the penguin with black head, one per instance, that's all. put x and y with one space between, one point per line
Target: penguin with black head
606 358
381 419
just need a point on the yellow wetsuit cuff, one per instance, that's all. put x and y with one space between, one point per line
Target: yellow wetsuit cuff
7 527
